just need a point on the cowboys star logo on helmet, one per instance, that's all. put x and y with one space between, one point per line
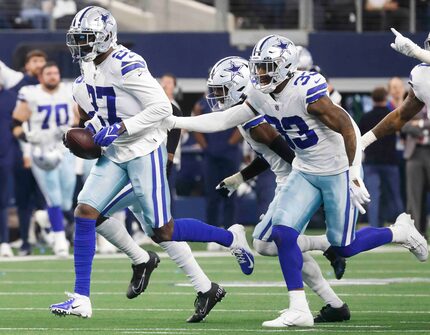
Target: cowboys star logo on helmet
273 60
227 80
92 32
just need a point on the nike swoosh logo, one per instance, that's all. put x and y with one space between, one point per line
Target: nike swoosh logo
138 288
205 308
317 81
74 307
251 263
223 75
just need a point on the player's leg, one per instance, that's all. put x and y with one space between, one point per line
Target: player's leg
208 293
6 173
341 217
335 309
68 180
294 210
152 191
107 178
50 185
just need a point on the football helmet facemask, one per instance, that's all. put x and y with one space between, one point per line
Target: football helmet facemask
273 60
92 32
227 80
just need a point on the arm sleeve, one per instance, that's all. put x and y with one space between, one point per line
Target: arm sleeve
423 55
256 167
217 121
358 147
155 104
174 135
282 149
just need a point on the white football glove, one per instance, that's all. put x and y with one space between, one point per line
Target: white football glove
404 45
229 185
94 125
358 192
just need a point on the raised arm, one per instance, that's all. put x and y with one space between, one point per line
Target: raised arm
395 120
408 48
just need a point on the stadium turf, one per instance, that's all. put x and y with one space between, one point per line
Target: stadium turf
392 298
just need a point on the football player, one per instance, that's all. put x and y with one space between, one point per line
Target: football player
125 105
42 115
226 90
326 169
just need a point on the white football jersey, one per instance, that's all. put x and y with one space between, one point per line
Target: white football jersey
118 89
319 150
8 77
280 168
48 110
420 83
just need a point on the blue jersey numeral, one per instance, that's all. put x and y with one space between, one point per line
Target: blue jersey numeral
308 137
99 93
60 109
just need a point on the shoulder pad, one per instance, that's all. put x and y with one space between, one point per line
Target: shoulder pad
129 60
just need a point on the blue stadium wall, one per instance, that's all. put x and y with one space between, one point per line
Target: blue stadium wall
189 55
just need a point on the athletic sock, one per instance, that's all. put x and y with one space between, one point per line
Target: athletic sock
56 218
193 230
308 243
181 254
116 233
84 250
4 227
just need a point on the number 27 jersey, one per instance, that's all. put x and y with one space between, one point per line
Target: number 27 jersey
319 149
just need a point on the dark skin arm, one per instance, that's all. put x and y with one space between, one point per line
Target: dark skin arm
83 117
397 118
338 120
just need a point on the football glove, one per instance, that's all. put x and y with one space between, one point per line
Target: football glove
229 185
94 125
107 135
358 192
404 45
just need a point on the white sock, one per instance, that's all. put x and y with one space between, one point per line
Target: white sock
265 248
115 232
313 277
399 235
307 243
298 300
181 254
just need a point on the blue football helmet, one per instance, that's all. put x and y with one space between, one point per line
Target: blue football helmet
92 32
273 60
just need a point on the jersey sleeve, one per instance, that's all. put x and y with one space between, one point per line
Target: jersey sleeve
313 88
8 77
80 95
24 94
418 80
255 98
247 126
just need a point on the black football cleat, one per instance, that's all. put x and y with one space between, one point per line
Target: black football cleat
205 302
337 262
330 314
141 274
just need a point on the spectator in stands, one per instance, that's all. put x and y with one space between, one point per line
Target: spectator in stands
381 172
222 157
7 103
396 92
36 11
417 155
383 14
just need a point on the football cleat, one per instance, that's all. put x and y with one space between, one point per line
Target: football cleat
141 273
5 250
241 250
61 245
290 318
337 262
205 302
413 240
78 305
331 314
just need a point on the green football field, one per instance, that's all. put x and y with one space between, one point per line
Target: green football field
387 292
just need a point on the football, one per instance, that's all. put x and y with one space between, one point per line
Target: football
80 142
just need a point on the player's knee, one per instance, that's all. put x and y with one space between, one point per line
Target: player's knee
285 235
86 211
100 220
265 248
163 233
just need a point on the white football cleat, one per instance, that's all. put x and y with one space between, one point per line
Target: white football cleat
291 318
5 250
61 245
411 238
78 305
241 250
